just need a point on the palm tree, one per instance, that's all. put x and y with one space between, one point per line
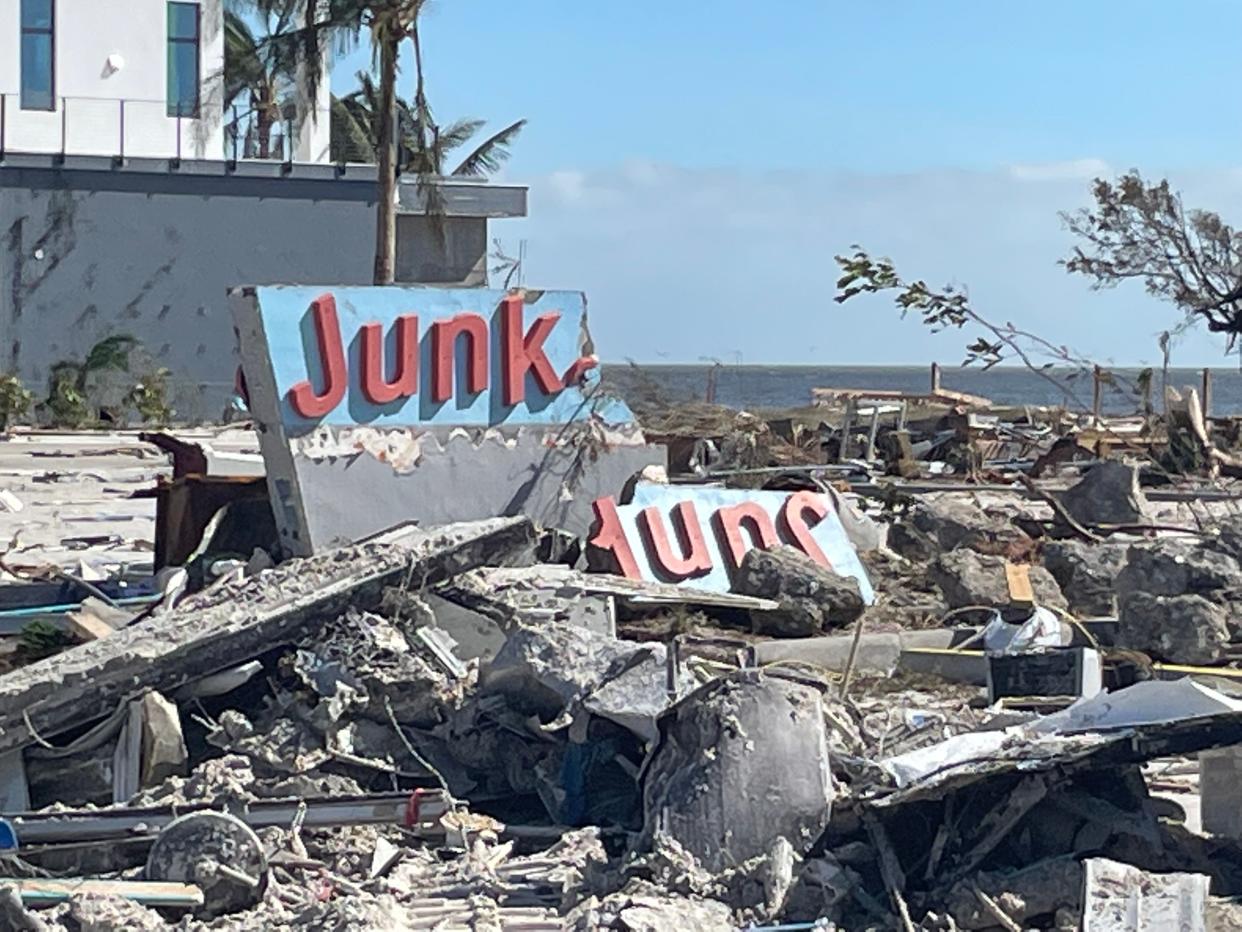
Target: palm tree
262 74
389 23
355 134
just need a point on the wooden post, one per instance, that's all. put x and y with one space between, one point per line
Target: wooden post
1205 398
875 429
935 378
847 427
901 418
1097 393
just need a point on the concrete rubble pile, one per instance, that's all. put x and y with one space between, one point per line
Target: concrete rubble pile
913 708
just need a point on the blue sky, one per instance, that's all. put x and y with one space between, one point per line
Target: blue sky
694 166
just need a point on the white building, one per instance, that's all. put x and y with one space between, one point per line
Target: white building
113 222
122 78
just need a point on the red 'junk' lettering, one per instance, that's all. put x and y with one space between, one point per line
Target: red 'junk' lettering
305 400
524 354
521 352
375 387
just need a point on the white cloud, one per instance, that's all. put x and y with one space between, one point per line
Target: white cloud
1075 169
567 186
682 263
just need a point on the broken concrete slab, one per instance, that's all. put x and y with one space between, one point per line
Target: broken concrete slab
491 410
1108 494
650 910
536 595
969 578
1122 898
813 598
550 668
476 608
741 761
568 583
224 626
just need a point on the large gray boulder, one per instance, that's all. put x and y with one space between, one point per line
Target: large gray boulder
1178 568
969 578
949 522
813 598
1086 574
1108 494
1179 601
1179 629
741 762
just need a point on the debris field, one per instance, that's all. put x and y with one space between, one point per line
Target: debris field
926 667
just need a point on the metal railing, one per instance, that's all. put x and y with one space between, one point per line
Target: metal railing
252 135
125 128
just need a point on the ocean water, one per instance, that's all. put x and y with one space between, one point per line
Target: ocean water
790 386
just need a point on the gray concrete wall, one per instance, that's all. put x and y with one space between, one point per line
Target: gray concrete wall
552 475
88 253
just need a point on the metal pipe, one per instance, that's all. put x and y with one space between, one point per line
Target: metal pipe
409 809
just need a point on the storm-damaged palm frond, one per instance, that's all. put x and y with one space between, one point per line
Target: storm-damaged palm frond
491 153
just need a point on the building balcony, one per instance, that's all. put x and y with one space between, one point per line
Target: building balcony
134 145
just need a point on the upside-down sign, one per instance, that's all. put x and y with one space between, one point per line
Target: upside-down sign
695 536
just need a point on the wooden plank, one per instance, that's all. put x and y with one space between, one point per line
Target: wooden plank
38 892
85 625
1018 579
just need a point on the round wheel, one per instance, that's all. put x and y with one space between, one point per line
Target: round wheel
218 853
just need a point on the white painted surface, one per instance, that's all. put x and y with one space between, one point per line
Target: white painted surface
1121 898
91 37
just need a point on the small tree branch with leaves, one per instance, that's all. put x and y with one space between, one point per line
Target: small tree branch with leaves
950 308
1142 231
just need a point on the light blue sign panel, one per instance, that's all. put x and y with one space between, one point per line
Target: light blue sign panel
289 328
829 533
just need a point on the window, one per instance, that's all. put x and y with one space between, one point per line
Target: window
38 55
183 79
